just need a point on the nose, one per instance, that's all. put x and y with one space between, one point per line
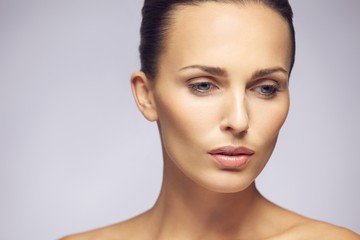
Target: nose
235 115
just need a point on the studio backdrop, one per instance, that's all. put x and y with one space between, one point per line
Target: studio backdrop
76 154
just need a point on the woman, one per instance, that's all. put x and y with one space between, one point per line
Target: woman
215 78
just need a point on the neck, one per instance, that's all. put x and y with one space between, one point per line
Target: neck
188 209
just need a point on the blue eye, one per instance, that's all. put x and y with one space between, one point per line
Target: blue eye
267 91
201 87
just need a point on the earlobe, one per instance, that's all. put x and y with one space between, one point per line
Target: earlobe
142 91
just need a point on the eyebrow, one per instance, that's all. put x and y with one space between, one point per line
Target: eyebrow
216 71
220 72
266 72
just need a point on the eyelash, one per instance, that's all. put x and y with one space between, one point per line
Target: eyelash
194 87
272 89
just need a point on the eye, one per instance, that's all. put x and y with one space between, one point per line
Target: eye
201 87
267 90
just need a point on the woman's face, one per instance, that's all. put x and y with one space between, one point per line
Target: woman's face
221 92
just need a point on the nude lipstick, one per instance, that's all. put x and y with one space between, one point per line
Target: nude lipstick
230 157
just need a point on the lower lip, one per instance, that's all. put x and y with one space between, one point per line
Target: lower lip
231 162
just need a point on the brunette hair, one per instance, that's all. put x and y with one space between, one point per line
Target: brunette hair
156 16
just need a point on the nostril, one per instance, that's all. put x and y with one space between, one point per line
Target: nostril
235 114
240 129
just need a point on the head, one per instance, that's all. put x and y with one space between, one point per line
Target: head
215 78
156 22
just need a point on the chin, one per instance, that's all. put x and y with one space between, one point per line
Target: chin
229 184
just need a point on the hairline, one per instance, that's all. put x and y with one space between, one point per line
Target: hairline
168 21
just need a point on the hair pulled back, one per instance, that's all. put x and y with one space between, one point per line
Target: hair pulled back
156 16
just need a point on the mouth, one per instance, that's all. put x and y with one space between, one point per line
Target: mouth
230 157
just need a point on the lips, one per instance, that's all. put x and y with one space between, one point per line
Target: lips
229 157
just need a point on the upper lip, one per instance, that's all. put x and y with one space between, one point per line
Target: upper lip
232 151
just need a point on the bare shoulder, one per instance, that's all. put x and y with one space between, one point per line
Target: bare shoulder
101 233
311 229
123 230
297 227
328 231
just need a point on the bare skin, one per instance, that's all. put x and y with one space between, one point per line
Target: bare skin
207 215
275 223
200 198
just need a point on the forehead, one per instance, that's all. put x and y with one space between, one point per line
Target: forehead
227 34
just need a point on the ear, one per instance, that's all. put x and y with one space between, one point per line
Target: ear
142 89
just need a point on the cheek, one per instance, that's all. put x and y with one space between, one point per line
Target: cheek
266 127
173 120
177 122
269 120
185 117
182 129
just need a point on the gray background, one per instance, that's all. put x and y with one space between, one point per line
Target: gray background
75 154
